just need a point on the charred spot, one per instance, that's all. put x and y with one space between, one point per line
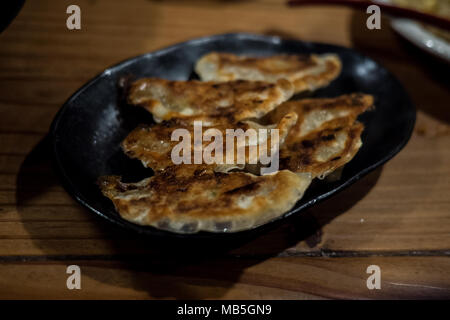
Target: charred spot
296 163
230 115
166 177
284 163
171 123
166 124
328 137
186 206
304 160
335 158
121 187
247 188
219 176
263 87
307 144
199 172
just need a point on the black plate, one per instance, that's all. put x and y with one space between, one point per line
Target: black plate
87 131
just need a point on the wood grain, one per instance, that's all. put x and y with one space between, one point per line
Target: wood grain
281 278
398 217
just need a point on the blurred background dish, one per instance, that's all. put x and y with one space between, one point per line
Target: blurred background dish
430 39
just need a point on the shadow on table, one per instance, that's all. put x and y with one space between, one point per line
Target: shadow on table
212 263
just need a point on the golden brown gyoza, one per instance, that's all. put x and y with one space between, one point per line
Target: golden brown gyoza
326 135
314 113
305 72
153 145
322 152
236 100
205 200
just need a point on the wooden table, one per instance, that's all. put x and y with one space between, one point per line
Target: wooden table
398 217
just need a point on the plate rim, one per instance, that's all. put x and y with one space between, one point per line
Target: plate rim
153 231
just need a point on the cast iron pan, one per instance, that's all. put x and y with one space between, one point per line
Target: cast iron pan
88 129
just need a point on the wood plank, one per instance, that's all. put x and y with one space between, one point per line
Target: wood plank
37 94
278 278
18 143
108 36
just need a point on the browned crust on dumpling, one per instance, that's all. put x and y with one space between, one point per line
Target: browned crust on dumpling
326 135
323 151
205 200
236 100
305 72
153 145
314 114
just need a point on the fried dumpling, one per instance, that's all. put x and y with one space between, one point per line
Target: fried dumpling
205 200
305 72
323 151
153 145
326 135
236 100
321 113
